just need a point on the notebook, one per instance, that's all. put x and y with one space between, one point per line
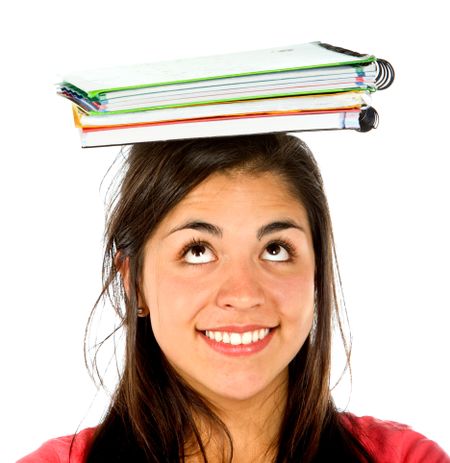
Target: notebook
312 86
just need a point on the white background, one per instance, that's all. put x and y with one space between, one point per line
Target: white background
388 192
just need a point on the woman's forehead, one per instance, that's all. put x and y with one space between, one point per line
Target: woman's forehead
238 197
265 186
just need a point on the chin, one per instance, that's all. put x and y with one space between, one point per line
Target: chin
244 388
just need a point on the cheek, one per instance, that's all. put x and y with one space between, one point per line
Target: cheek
174 301
295 296
296 309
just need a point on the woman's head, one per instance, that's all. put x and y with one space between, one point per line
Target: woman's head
225 235
228 281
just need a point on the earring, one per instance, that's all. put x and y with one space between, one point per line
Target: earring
141 312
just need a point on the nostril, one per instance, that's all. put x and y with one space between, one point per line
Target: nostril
243 297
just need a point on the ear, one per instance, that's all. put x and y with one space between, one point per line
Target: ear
123 266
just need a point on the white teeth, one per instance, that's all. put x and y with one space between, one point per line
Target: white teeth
235 339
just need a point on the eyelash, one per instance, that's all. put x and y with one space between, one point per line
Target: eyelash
192 243
287 245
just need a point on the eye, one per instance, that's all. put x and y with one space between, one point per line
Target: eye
197 253
278 252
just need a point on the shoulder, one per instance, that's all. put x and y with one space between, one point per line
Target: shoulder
391 442
57 450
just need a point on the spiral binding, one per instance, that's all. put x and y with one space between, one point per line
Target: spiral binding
385 74
385 71
345 51
368 119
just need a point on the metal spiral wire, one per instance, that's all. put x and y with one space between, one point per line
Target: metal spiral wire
368 119
385 74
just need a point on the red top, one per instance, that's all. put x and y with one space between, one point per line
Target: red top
388 442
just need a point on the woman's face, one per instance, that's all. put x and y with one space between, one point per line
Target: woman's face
228 278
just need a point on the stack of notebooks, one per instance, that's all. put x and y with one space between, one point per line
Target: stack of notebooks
312 86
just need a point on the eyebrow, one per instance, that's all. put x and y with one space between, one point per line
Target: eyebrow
200 226
277 226
267 229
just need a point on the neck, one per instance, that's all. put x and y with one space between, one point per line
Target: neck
253 423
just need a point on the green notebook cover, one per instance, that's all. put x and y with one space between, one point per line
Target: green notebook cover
293 57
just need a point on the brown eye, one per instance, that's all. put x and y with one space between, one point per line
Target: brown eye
198 250
276 252
198 254
274 249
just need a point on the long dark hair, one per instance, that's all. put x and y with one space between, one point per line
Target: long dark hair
151 416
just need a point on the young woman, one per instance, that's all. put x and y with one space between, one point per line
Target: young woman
220 262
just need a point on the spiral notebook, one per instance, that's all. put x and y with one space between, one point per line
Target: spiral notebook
293 88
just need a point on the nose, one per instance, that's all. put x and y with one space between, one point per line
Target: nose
240 288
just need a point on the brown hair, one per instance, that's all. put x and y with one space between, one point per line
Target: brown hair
151 414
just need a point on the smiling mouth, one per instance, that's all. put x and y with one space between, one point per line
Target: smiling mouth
237 339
